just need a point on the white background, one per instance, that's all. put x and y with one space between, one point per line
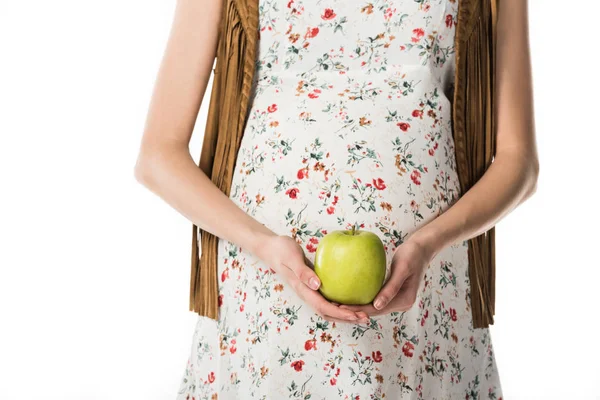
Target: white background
95 268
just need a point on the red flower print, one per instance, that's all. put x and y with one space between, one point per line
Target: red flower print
297 365
377 357
328 14
330 210
449 21
415 177
332 381
302 173
232 349
310 344
220 301
335 200
311 247
292 192
313 95
403 126
408 348
418 34
313 240
289 4
242 307
431 152
453 314
378 183
311 32
211 377
272 108
225 275
417 113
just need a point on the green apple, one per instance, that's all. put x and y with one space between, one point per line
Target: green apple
351 265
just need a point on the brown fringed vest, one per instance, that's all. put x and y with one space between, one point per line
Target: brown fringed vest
473 132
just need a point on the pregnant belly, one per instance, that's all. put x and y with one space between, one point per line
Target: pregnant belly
313 164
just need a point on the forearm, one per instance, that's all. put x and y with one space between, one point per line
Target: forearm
508 182
172 175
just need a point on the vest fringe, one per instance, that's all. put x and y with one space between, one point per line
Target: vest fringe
233 76
474 136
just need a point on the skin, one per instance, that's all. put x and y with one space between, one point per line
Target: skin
510 180
165 166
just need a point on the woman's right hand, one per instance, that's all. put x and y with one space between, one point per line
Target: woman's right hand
286 257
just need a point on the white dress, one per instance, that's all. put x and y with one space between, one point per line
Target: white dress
349 125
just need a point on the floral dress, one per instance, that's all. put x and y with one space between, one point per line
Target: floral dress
349 125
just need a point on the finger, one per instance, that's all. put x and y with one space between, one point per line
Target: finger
363 316
316 299
341 321
324 307
290 278
390 289
406 297
305 274
366 309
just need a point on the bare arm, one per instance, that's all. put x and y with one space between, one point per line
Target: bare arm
512 177
165 165
508 182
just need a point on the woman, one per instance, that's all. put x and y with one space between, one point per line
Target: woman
349 126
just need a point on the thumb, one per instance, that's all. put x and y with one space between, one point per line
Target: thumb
389 291
304 273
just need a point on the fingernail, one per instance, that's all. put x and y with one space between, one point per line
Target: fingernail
379 303
314 283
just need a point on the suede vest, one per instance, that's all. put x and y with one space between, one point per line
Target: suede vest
473 125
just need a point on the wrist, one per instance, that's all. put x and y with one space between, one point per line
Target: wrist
258 237
428 241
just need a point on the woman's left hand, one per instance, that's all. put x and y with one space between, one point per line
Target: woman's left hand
399 292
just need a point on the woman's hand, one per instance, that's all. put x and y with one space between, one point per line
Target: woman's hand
283 255
399 292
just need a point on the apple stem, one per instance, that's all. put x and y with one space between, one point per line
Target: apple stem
353 229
